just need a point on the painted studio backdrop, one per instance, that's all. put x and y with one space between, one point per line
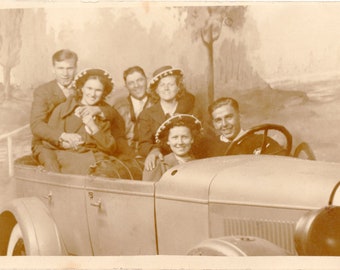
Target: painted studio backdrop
280 60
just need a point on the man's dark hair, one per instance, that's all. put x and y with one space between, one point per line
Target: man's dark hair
64 54
221 102
131 70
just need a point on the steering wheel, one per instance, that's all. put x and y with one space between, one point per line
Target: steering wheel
248 135
304 149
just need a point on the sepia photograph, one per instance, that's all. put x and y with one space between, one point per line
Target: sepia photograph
169 135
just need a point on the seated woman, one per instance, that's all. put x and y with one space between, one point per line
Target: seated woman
179 133
170 98
96 149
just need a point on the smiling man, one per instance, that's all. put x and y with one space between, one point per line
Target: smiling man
46 97
225 118
138 99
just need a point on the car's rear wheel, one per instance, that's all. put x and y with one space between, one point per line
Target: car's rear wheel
16 245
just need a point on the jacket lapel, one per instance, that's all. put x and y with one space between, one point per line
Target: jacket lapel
57 92
157 113
132 112
72 122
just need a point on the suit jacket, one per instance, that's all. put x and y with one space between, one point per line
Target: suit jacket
125 109
151 118
161 167
45 98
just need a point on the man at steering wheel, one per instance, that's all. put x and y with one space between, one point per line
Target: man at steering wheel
230 138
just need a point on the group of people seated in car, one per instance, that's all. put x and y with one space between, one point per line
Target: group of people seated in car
157 126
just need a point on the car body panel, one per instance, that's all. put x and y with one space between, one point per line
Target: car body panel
182 209
275 181
180 225
121 216
273 224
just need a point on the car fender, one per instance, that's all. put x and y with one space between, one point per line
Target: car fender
39 231
237 246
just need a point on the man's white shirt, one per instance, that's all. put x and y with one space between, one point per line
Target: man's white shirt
138 105
66 90
226 140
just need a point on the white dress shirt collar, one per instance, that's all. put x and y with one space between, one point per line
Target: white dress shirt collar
66 90
226 140
138 104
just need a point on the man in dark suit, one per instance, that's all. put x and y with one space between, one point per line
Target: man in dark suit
46 97
225 117
131 106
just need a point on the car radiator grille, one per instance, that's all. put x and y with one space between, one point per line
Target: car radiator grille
280 233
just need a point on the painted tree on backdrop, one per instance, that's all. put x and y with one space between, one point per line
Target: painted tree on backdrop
207 24
38 44
10 44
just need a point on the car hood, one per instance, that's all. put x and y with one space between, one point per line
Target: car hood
256 180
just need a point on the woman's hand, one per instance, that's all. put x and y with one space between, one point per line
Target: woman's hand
150 161
83 111
70 140
90 124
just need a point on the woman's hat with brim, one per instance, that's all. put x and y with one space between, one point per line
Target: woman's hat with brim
83 75
187 119
163 72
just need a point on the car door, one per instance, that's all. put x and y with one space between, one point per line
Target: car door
121 216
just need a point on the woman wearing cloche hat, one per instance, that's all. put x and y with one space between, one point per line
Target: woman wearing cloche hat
178 134
96 143
171 98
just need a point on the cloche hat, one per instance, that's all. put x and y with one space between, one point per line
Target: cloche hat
163 72
189 120
83 75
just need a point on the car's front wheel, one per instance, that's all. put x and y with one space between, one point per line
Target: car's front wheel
237 246
16 245
28 228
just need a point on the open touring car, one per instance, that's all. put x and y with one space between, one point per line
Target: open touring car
235 205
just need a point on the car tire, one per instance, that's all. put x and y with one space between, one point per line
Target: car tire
27 228
16 245
233 246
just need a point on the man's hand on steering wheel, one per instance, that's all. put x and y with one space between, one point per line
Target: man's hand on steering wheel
268 145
